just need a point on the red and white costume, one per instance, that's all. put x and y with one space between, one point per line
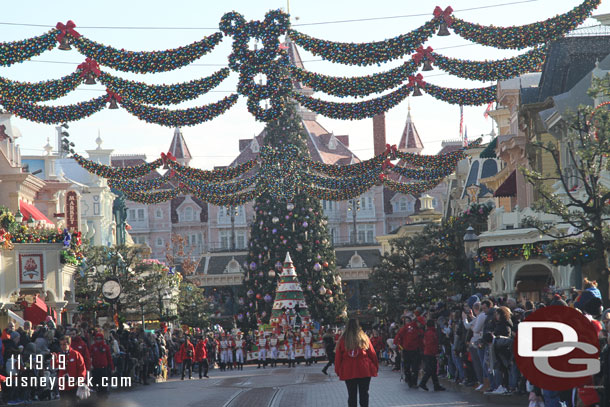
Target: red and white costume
239 349
262 348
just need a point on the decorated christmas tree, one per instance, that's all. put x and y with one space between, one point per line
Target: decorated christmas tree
289 306
294 223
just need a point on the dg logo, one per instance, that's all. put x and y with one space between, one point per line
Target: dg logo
556 348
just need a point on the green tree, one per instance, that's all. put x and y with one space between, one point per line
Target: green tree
295 224
193 307
579 167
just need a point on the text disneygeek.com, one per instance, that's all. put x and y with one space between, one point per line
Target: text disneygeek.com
64 382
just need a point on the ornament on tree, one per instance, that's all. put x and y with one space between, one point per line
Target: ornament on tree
317 267
309 287
271 273
275 219
253 266
329 292
250 293
322 290
259 296
305 224
260 273
267 298
278 265
241 301
325 264
299 247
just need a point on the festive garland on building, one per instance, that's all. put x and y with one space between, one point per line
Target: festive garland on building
39 91
107 171
217 189
490 254
342 182
345 170
18 51
145 61
519 37
131 185
214 176
228 200
462 97
163 94
506 68
577 255
369 53
337 194
54 114
181 117
153 197
432 162
424 174
357 110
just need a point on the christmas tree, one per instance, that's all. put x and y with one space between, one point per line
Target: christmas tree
294 224
289 306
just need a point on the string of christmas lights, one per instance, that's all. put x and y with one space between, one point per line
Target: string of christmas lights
346 170
337 195
131 185
18 51
181 117
54 114
217 189
214 176
107 171
424 174
147 61
414 188
153 197
39 91
462 97
432 162
163 94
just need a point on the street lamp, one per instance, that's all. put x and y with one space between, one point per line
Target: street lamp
233 211
354 207
31 222
471 246
142 301
18 217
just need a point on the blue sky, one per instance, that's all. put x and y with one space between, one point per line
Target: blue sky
216 142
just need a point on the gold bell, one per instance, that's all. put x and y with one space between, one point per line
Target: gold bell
443 31
64 44
427 66
416 91
113 104
90 78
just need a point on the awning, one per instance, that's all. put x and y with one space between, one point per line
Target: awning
509 187
36 312
30 211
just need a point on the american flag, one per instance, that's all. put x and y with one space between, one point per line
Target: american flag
466 136
461 121
488 109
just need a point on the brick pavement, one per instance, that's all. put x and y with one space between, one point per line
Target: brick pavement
285 387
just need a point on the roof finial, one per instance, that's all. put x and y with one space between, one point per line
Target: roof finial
48 148
98 140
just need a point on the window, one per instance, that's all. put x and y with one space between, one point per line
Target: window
158 214
160 241
140 214
188 214
366 233
139 240
333 234
403 204
131 214
328 206
224 214
240 241
225 239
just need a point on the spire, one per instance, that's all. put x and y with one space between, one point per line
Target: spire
410 141
98 140
179 149
288 259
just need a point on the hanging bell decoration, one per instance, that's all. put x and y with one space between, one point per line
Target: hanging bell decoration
113 104
64 44
427 65
416 91
443 31
90 79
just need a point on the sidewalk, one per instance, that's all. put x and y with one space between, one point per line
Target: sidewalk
487 399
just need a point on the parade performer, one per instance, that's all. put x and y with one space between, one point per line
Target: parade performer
290 349
239 351
274 352
230 350
307 340
430 353
224 352
101 360
201 356
187 352
410 337
262 350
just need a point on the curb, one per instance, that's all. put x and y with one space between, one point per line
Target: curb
487 399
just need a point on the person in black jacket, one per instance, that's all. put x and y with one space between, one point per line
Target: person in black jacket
329 347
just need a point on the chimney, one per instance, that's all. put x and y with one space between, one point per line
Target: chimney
379 134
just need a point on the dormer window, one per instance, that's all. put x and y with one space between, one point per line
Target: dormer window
356 261
332 142
233 266
188 214
254 146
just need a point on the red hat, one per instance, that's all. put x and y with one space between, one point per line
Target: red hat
99 335
421 320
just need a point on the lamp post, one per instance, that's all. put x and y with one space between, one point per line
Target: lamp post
354 207
142 301
471 246
18 216
232 211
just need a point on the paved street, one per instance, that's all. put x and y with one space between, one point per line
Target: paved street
279 387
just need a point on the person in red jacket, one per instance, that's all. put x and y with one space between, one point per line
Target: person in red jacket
355 363
410 338
377 342
201 356
71 371
79 344
101 362
187 352
430 353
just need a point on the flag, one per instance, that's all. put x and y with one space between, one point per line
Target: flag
488 109
466 136
461 121
284 45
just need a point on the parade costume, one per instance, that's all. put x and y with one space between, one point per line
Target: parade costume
224 353
307 340
290 351
274 352
262 351
239 352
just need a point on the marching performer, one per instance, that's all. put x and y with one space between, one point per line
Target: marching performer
262 350
274 353
224 352
239 351
230 349
290 349
307 340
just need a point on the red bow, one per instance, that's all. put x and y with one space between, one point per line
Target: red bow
90 65
381 177
67 28
181 186
445 15
167 157
391 149
387 164
112 95
416 80
421 53
172 173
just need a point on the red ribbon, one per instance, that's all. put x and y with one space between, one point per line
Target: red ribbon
421 53
391 149
90 65
387 164
416 80
445 15
382 177
65 29
112 95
